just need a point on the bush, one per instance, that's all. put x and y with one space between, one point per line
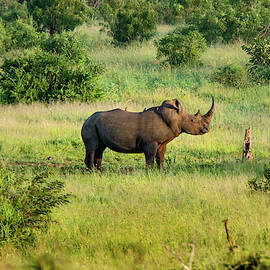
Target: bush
261 184
134 21
59 72
26 205
259 62
228 20
57 16
21 35
68 44
181 47
231 75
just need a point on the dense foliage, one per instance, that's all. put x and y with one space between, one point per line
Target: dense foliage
181 47
259 62
134 21
58 15
26 205
230 20
58 72
261 183
231 75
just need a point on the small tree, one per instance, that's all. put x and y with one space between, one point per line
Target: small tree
181 47
58 15
134 21
259 62
26 205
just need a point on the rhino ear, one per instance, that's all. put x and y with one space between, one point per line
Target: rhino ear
170 113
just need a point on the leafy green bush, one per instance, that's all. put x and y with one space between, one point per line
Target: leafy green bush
134 21
21 35
26 205
228 20
261 184
12 10
231 75
181 47
59 72
259 62
57 16
70 45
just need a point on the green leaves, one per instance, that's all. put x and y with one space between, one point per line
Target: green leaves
59 71
26 205
58 15
134 21
259 62
181 47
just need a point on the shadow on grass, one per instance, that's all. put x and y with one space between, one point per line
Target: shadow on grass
184 161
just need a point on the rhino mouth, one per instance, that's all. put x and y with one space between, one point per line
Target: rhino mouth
204 130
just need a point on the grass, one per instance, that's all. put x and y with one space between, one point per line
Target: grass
121 218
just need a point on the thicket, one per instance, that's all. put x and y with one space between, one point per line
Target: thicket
181 47
259 61
134 20
232 75
26 205
59 71
55 67
57 16
261 183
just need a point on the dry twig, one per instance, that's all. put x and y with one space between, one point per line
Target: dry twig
228 233
189 267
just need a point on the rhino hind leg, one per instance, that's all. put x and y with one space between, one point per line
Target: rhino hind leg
91 145
89 159
98 156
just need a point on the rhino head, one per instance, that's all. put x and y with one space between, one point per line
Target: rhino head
179 120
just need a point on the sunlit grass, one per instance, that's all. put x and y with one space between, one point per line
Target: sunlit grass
121 218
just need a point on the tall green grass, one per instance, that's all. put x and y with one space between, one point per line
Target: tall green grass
122 217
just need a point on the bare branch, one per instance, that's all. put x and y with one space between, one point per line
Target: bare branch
191 256
228 233
180 260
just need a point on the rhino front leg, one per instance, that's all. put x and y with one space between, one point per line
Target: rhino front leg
150 151
160 155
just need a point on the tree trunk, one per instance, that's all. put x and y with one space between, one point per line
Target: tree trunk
247 145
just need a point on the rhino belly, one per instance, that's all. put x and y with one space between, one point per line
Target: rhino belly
120 141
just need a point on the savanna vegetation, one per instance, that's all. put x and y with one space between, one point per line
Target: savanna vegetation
55 214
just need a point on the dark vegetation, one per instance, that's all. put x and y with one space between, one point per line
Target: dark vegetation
26 204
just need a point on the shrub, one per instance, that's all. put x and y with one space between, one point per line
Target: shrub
26 205
181 47
68 44
261 184
134 21
59 72
231 75
21 35
57 16
259 62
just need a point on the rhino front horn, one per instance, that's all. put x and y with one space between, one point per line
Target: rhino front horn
209 114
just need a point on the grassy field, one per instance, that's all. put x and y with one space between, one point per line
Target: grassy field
123 217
